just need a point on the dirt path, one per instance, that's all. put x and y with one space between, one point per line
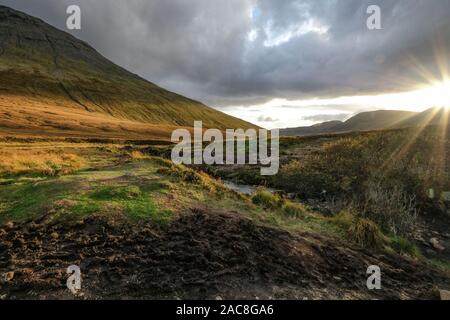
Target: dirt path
200 255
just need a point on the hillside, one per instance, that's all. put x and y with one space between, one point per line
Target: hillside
433 116
365 121
52 83
381 119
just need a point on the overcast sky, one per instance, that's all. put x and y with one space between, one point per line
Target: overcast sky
277 63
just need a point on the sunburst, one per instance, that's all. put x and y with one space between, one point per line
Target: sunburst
435 90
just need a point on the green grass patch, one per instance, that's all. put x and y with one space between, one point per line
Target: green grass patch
129 199
443 265
86 207
404 246
23 201
116 193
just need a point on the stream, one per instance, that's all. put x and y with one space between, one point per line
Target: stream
243 188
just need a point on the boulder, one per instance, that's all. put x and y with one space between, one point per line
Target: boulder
445 295
8 276
436 244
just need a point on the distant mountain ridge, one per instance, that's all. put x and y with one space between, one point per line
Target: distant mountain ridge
319 128
374 120
432 116
47 72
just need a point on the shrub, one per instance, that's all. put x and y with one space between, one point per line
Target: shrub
392 209
360 230
293 210
266 199
343 219
181 172
191 176
366 233
308 178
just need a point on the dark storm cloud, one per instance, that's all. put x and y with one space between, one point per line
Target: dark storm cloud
246 51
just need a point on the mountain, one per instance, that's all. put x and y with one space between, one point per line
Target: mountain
51 83
374 120
319 128
433 116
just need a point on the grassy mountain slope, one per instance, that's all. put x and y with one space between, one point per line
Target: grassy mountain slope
433 116
365 121
374 120
41 63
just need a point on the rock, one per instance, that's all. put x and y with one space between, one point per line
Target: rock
55 235
436 245
8 276
219 298
9 225
445 295
445 196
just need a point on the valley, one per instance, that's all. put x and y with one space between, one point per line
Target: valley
87 180
126 217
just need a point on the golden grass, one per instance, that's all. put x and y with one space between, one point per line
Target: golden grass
22 116
41 162
267 200
136 155
294 210
189 175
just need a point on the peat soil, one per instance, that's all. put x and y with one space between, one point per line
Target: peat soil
202 254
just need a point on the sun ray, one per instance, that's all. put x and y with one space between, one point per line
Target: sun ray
435 89
403 149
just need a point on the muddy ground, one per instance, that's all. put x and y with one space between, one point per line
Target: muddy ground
200 255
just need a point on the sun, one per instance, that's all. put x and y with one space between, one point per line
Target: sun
435 95
441 92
